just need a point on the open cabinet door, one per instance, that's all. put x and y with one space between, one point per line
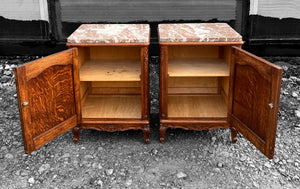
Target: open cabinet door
47 91
255 90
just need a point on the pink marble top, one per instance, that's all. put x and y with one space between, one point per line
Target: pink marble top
111 33
204 32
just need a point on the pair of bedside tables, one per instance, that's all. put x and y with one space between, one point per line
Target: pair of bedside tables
206 81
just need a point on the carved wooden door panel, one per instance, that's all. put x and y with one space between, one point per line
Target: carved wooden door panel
47 93
254 101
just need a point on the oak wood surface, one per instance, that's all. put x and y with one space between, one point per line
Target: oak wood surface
77 84
114 52
192 85
84 85
83 55
163 100
116 87
145 84
196 106
197 67
192 51
110 70
112 106
256 86
190 82
116 90
48 86
114 70
191 124
114 84
193 90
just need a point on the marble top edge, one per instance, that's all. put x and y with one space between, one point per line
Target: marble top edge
110 34
197 32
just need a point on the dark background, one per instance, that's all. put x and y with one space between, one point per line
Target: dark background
263 36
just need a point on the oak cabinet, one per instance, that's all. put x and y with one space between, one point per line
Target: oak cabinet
100 83
207 81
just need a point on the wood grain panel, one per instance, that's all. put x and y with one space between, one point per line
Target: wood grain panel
225 85
196 106
116 90
83 55
50 92
136 10
255 99
55 131
114 52
110 70
116 84
193 90
163 100
84 85
112 106
34 68
145 80
197 67
193 51
52 98
192 82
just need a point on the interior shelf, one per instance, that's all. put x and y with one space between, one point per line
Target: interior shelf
197 67
196 106
110 70
112 106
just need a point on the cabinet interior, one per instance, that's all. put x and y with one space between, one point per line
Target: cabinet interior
198 80
110 82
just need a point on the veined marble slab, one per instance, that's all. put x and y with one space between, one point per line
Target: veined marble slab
111 33
194 32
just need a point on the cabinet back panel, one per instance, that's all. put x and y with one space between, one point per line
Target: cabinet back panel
196 106
112 52
84 91
193 51
115 87
193 85
116 84
83 88
112 106
83 55
224 82
225 53
193 82
115 90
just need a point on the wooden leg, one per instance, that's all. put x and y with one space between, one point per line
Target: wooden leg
233 135
76 132
146 131
162 130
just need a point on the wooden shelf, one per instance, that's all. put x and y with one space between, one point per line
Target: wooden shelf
196 106
197 67
112 106
110 70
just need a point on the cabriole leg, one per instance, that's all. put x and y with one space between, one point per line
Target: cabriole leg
76 132
146 131
233 134
162 130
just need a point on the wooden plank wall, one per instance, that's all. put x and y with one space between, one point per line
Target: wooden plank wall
274 20
23 20
24 10
278 8
146 10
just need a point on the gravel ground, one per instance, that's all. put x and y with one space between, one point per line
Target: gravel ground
188 159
